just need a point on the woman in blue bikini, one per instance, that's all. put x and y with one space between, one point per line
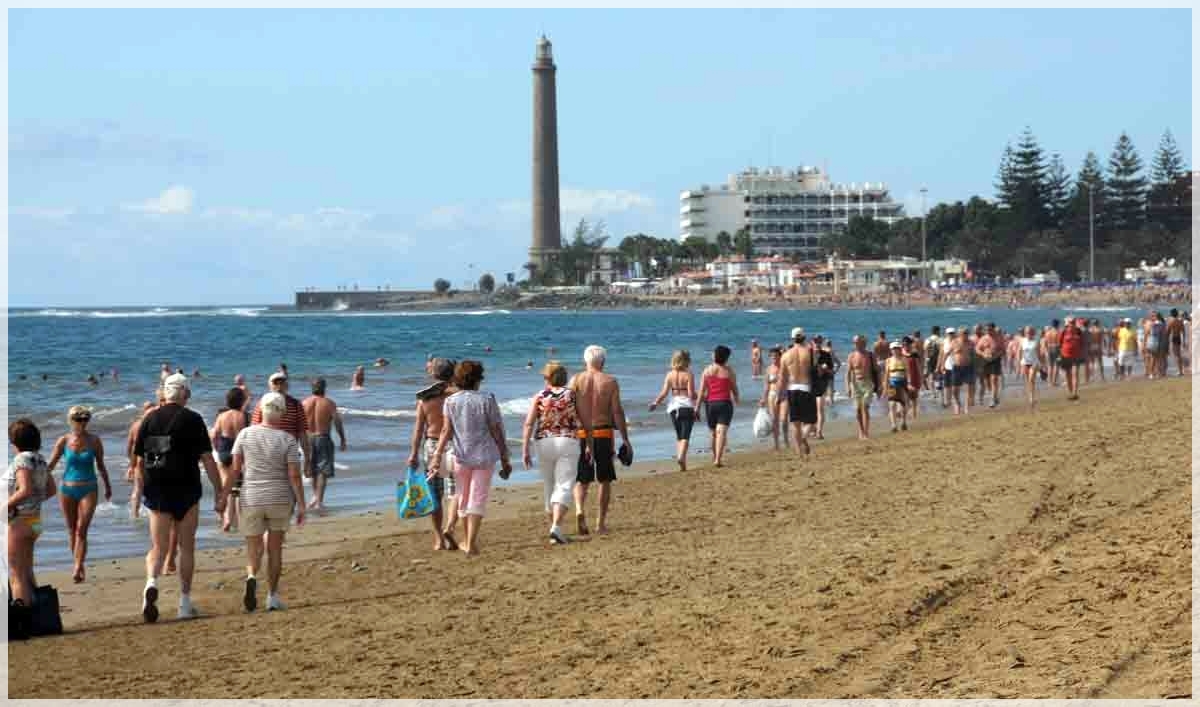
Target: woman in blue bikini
83 454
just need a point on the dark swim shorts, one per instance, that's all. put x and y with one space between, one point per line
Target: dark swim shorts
802 407
719 412
601 467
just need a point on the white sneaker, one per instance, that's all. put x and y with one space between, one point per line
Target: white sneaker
149 597
273 603
186 610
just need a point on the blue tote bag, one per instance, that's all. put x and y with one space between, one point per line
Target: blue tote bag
413 497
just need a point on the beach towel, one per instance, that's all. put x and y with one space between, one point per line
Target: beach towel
413 497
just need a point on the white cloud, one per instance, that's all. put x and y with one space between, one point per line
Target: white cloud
599 202
253 217
174 200
44 214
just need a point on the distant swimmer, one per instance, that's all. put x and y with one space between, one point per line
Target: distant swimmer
550 351
21 377
92 381
529 365
358 382
45 377
196 373
382 363
116 375
487 349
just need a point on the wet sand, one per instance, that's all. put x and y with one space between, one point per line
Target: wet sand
1006 555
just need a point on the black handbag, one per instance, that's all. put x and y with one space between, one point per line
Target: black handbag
18 620
45 618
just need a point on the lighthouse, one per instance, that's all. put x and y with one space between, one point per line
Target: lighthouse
547 235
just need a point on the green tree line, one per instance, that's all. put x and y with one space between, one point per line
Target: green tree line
1039 218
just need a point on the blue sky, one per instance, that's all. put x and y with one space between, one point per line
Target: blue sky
220 156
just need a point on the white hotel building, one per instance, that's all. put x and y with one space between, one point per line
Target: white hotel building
788 212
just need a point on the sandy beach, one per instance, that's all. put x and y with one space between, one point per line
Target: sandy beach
1010 554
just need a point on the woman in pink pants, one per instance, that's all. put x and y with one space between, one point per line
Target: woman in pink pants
475 428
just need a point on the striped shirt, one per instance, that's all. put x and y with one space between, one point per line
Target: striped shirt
266 452
293 418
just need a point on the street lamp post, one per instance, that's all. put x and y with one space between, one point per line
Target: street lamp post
1091 236
924 214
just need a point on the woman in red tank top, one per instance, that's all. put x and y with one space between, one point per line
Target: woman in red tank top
719 392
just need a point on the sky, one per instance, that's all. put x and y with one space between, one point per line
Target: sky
175 157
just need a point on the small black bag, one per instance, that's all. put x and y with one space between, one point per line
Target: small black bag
18 620
45 618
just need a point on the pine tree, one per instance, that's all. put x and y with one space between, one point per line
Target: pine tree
1126 187
1005 182
1029 173
1168 163
1058 191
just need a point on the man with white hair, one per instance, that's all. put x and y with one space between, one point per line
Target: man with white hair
170 443
267 459
598 402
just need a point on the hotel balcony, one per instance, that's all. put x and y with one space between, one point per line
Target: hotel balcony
689 223
690 208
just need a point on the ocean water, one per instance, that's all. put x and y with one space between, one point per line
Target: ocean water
66 346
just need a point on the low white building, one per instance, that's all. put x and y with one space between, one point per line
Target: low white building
1164 271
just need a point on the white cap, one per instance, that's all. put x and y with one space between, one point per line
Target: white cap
177 380
277 376
797 332
949 330
895 345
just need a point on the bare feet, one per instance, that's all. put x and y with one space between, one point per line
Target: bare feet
78 576
170 566
601 530
581 524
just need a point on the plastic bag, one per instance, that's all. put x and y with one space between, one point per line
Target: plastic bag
413 497
762 423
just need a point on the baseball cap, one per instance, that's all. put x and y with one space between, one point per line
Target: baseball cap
950 330
176 380
797 332
277 376
895 345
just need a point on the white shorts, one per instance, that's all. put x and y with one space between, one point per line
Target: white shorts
1125 359
446 470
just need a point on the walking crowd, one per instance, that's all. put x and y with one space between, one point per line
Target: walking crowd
255 452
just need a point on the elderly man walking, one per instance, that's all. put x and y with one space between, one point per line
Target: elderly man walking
267 458
598 403
170 443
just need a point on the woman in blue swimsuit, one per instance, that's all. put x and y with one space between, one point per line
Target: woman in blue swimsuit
83 454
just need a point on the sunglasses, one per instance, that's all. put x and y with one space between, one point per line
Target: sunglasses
81 418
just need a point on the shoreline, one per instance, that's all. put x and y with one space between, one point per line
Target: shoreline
1150 296
688 567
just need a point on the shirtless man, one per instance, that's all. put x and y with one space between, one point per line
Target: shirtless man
882 350
320 414
239 381
358 381
598 402
957 351
1178 340
860 384
755 359
795 381
1050 348
988 349
426 430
